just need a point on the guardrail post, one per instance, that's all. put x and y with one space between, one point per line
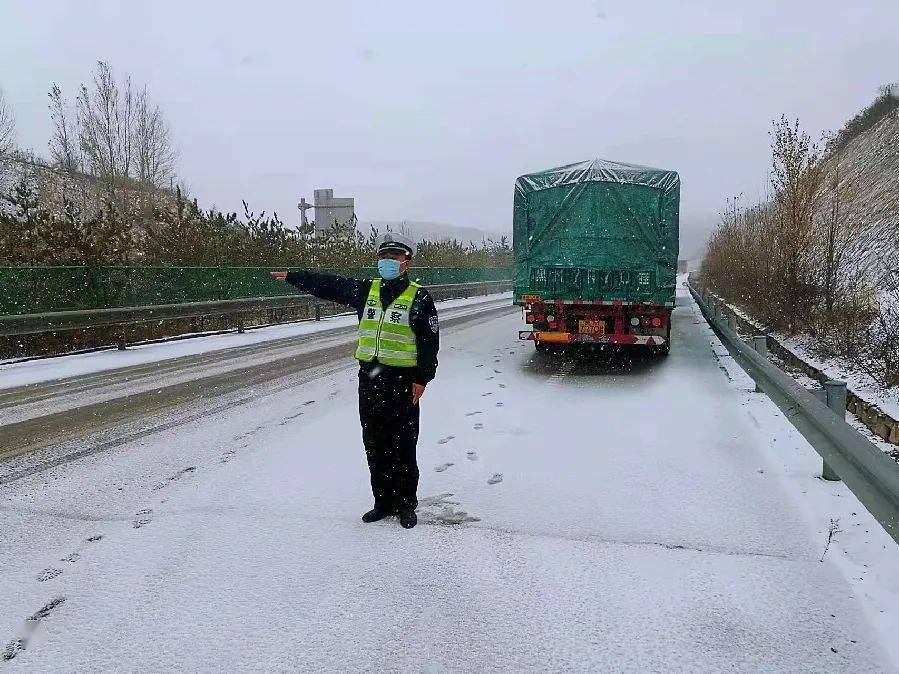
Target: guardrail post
732 321
760 344
240 327
120 341
318 312
835 396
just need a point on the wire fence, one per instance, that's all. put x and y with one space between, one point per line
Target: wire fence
33 290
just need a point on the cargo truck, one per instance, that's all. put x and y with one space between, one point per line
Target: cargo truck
595 254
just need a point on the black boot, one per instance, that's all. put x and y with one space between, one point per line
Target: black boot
375 514
408 518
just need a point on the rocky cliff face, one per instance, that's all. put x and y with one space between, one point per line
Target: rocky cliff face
868 170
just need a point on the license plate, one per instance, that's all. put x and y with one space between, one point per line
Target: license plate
591 327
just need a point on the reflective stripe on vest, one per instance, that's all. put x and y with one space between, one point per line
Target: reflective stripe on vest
386 334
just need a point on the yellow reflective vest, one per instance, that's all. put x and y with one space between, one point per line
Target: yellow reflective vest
386 334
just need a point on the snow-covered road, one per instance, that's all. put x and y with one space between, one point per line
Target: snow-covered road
601 515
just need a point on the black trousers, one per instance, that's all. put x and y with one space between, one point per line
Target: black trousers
390 434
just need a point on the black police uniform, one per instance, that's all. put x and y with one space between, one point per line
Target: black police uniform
389 419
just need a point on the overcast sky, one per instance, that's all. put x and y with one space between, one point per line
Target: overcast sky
429 111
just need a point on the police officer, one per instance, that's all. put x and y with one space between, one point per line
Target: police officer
397 354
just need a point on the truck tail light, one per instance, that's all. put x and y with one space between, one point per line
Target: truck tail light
529 317
635 321
657 322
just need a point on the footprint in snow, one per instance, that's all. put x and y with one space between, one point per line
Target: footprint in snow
472 455
71 558
13 648
95 538
249 433
442 467
16 646
499 404
481 365
48 574
290 418
484 395
497 372
142 517
440 509
490 377
448 515
177 476
496 478
439 499
478 427
502 386
46 609
443 441
308 402
471 414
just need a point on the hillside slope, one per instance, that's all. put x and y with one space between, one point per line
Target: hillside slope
869 167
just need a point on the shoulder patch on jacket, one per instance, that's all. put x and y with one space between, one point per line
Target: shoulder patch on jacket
435 326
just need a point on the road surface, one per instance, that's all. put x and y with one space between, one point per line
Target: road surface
602 515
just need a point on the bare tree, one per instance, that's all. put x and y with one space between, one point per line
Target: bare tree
64 147
7 127
123 134
879 355
839 231
155 157
797 177
98 111
124 128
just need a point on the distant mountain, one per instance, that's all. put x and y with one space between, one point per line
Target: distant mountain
432 231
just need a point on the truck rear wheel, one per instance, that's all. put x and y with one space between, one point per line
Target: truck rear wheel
541 347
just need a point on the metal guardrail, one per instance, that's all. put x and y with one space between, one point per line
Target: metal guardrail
871 475
29 324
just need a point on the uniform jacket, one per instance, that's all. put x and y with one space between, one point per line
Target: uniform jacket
354 292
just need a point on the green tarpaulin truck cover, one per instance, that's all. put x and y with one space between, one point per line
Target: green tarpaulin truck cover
597 230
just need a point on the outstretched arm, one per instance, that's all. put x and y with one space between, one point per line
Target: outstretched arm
331 287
